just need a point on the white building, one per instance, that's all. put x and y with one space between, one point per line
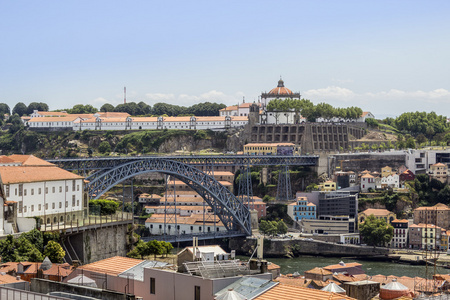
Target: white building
420 161
390 181
367 182
159 224
279 92
365 115
43 190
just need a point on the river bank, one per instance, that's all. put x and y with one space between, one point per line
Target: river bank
370 267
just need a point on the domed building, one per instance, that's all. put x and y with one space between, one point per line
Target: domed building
279 92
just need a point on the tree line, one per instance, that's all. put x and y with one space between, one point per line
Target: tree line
134 109
32 246
311 112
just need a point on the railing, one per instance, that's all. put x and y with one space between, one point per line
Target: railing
15 294
90 220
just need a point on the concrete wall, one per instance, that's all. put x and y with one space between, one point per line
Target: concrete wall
282 247
46 286
358 162
101 243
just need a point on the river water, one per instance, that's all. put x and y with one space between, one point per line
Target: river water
305 263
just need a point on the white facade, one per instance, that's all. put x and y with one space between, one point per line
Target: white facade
159 228
39 199
419 161
286 117
367 182
391 181
138 123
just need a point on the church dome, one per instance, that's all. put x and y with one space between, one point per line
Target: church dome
280 90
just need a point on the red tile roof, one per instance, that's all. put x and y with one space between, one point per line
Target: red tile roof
113 265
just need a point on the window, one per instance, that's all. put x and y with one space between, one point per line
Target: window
39 207
78 187
20 190
60 204
60 189
7 190
53 190
53 205
67 188
197 293
152 286
39 191
32 207
46 206
15 192
46 190
25 192
32 192
73 185
78 202
73 200
67 203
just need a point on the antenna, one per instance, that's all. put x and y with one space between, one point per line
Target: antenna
124 95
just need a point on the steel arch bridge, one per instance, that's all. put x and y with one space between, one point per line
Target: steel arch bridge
108 162
230 210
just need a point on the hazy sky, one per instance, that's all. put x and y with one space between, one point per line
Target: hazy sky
386 57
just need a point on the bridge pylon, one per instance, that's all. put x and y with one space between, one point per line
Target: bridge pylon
245 192
284 188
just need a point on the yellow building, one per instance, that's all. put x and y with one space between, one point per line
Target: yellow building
439 171
431 236
327 186
386 171
388 216
444 240
270 149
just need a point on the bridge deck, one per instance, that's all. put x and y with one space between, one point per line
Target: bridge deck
101 163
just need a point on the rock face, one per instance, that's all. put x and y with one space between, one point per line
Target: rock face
184 143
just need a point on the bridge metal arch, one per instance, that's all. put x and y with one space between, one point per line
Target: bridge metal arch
230 210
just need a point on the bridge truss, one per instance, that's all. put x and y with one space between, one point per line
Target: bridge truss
231 211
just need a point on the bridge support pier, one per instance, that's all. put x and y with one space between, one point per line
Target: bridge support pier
284 189
245 192
254 221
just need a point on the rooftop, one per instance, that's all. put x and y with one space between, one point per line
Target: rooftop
113 265
285 291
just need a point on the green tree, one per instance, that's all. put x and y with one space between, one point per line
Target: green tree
281 227
167 247
410 143
107 107
4 109
155 247
104 147
20 108
54 252
39 106
376 232
103 207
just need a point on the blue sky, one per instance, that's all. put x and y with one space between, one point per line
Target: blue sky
386 57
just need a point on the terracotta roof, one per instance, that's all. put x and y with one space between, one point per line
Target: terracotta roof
285 291
177 119
111 114
11 174
29 160
399 221
299 281
365 113
112 120
280 90
318 271
347 265
52 113
376 212
233 107
113 265
54 119
5 278
5 160
438 165
367 176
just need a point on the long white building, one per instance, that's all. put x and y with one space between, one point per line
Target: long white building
114 122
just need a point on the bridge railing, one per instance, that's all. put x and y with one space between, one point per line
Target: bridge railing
89 220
